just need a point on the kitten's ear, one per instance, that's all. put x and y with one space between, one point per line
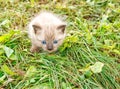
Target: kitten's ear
61 28
36 28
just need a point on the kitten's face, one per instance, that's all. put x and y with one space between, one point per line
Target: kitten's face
49 37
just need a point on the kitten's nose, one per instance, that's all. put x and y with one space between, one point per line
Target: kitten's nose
50 47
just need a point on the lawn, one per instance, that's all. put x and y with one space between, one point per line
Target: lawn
89 58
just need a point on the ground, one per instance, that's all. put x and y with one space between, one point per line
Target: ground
88 59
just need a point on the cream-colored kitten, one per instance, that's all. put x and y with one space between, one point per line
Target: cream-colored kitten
46 31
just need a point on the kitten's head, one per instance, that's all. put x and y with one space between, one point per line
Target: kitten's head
49 37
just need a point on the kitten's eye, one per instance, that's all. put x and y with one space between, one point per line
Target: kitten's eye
55 41
43 42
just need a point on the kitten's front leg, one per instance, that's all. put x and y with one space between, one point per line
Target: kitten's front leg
34 48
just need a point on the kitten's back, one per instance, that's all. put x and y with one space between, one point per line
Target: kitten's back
47 18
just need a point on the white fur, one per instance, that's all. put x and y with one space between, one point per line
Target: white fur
44 18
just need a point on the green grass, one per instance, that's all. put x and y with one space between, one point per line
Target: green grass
93 36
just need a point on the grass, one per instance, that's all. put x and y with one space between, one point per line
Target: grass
93 37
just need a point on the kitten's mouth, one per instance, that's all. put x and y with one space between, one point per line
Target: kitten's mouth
51 51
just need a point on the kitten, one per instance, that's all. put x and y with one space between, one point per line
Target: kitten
46 31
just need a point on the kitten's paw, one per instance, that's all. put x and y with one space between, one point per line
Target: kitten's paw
34 49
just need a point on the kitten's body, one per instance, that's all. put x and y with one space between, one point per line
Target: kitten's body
47 31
